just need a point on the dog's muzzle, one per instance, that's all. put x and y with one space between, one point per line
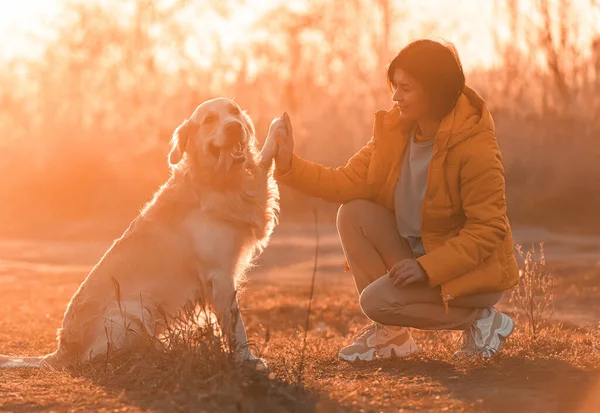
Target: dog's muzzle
232 153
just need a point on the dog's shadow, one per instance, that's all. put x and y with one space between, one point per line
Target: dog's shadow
190 383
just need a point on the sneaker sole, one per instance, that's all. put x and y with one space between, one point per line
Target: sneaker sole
366 356
388 352
393 351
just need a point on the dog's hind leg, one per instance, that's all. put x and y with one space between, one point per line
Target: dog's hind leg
127 327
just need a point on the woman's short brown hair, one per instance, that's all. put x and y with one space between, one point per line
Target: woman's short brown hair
436 67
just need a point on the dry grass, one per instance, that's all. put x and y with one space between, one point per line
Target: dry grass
534 297
557 372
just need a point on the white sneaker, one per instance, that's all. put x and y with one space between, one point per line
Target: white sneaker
485 336
379 341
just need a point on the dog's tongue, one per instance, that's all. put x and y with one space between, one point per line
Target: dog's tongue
225 161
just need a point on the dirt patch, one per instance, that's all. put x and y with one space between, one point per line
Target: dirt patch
558 373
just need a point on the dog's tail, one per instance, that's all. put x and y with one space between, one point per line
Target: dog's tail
7 362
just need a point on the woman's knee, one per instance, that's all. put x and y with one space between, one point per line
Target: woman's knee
373 302
349 214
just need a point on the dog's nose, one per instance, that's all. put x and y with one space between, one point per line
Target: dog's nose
234 132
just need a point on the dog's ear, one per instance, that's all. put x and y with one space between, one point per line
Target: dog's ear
179 141
253 142
248 121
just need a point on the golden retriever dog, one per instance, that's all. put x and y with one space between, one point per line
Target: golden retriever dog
200 233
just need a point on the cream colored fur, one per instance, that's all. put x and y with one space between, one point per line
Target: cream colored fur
201 232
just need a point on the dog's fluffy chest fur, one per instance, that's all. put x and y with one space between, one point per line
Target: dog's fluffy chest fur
215 242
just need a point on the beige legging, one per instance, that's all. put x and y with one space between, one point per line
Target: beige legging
372 246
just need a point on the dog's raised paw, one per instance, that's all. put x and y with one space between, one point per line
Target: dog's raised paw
270 147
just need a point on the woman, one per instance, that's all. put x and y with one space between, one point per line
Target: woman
423 218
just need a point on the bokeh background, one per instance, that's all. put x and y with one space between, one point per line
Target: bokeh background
90 92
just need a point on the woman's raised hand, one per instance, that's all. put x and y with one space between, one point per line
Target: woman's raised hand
285 141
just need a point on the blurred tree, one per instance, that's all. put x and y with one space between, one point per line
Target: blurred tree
89 122
545 46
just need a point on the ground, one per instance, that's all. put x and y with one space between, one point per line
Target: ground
558 372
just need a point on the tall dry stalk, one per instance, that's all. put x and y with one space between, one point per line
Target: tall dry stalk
310 299
534 297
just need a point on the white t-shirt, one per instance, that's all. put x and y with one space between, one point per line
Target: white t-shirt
410 191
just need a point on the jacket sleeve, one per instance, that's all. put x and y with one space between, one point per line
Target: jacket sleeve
339 185
484 205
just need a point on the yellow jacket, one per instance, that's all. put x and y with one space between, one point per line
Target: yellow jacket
464 227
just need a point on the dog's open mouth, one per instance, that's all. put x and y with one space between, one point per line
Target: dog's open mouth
227 156
238 153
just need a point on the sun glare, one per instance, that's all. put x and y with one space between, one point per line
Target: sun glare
20 21
471 26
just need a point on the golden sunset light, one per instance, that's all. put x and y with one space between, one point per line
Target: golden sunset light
433 18
325 206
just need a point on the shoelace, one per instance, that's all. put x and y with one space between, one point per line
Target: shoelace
363 332
469 343
467 338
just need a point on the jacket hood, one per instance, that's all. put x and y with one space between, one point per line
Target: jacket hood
469 117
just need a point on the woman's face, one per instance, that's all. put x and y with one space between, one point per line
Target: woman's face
410 96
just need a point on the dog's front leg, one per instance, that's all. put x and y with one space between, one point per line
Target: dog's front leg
228 314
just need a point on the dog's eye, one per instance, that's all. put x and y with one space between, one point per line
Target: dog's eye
208 119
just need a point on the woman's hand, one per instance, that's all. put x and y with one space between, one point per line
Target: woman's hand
406 272
285 143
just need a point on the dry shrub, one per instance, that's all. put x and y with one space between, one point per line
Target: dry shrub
533 298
